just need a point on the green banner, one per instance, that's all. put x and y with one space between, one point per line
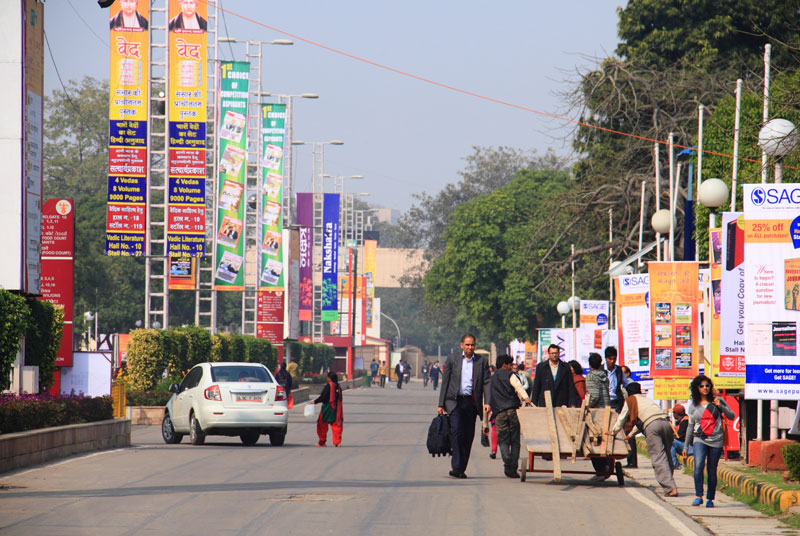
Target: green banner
273 133
232 132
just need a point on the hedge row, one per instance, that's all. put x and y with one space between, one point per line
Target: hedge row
41 324
30 412
156 354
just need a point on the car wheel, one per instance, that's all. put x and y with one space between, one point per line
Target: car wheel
276 439
168 431
250 437
196 434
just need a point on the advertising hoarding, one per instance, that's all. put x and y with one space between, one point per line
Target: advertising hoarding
58 265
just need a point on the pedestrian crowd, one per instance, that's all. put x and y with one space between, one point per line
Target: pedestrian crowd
471 387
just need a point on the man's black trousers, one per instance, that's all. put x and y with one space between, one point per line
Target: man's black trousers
462 432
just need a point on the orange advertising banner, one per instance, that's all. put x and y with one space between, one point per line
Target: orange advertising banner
674 316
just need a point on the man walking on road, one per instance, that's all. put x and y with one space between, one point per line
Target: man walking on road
506 393
555 376
616 380
435 371
465 385
399 370
382 373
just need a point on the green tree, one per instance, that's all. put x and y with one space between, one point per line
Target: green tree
498 266
706 33
76 167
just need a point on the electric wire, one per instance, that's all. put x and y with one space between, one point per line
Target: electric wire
467 92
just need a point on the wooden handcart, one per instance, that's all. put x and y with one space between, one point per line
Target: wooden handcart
565 433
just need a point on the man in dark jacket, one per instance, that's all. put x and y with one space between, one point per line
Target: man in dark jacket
616 380
465 385
555 376
506 393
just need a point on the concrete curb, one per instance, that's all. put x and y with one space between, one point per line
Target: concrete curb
747 485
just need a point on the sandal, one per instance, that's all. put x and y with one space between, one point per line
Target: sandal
671 493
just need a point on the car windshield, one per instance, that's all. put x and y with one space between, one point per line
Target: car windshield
234 373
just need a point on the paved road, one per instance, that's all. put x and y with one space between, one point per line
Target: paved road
382 481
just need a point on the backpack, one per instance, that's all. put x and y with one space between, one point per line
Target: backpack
708 421
439 436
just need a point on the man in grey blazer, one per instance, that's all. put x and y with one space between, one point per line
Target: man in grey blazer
464 395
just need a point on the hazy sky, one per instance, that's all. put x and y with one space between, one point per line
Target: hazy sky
404 135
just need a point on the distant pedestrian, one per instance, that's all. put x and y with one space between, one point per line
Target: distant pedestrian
284 379
523 379
331 414
643 414
426 369
399 369
706 434
435 371
382 373
505 394
373 369
578 379
597 397
407 371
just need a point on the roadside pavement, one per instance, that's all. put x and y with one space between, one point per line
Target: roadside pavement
728 517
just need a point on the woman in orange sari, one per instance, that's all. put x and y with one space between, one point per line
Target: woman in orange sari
331 414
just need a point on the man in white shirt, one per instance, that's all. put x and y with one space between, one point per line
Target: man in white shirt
465 385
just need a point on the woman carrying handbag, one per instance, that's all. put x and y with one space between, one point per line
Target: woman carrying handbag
331 414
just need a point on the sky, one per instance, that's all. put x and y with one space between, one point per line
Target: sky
405 136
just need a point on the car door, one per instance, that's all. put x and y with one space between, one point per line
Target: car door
182 404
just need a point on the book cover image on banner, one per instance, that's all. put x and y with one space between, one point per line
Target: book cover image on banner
126 221
305 223
633 323
330 257
271 251
233 96
186 102
771 290
674 319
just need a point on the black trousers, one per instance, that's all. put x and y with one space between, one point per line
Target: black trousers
400 382
462 432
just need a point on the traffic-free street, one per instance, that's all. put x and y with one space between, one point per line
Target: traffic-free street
381 481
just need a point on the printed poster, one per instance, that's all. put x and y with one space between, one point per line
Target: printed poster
771 256
594 314
675 319
186 105
271 255
129 96
305 222
330 257
633 323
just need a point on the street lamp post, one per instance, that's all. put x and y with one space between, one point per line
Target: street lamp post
288 184
563 310
395 327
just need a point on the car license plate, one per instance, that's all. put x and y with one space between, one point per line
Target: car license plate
248 398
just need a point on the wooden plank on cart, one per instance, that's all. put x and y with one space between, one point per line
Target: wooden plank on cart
553 431
603 427
567 426
580 430
608 448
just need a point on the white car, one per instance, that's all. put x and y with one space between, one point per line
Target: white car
229 399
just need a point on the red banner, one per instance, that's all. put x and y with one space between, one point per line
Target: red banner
269 318
58 248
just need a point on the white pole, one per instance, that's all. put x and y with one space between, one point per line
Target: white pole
574 320
610 262
671 201
641 223
700 113
736 122
658 197
765 109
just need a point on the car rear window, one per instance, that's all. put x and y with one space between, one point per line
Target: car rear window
233 373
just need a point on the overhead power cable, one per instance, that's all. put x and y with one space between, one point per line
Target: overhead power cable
467 92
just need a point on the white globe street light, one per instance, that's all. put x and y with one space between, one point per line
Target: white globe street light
713 193
563 309
573 302
778 138
661 221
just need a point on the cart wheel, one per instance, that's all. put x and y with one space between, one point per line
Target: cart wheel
523 469
620 474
